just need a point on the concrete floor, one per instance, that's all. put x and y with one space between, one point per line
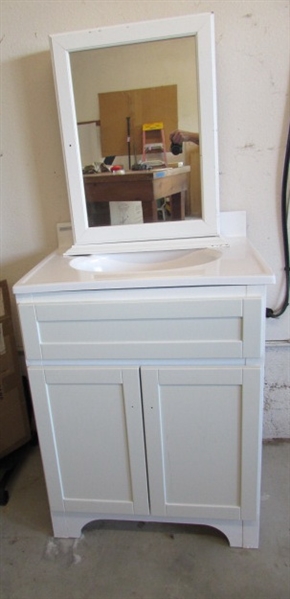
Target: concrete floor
135 561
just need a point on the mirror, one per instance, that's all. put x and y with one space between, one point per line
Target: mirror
121 91
111 128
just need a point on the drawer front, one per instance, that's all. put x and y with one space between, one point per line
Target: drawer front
149 330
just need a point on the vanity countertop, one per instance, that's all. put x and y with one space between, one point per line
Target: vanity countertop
238 263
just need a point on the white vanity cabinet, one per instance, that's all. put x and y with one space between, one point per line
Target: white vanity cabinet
148 404
145 359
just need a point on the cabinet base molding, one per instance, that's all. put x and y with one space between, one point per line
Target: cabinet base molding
239 533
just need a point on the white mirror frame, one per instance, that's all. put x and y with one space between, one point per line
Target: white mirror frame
199 231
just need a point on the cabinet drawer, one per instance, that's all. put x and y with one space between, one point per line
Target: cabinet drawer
134 330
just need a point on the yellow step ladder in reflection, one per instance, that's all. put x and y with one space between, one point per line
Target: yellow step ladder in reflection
154 141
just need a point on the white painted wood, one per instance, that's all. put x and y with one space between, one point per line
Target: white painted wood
159 309
46 438
237 533
153 330
124 439
252 418
30 333
197 415
150 329
251 534
154 350
201 26
154 440
134 418
97 432
252 322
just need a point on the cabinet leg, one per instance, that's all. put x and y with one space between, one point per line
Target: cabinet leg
251 534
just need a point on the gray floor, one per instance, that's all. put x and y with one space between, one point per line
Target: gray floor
135 561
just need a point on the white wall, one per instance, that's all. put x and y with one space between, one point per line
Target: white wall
252 48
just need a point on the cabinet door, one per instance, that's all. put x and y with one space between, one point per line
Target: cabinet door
202 430
91 432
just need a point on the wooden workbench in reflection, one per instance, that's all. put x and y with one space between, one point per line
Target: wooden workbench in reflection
138 186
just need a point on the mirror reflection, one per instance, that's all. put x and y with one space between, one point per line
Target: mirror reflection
130 100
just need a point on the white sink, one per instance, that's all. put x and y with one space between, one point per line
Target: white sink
144 261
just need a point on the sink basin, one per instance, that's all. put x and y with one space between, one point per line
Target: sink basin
144 261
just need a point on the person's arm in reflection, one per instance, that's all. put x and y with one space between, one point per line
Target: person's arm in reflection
178 137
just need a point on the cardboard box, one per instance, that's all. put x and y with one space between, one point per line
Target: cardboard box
14 422
5 308
8 352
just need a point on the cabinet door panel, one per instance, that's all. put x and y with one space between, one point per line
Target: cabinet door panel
97 432
197 464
